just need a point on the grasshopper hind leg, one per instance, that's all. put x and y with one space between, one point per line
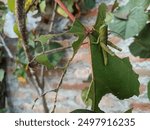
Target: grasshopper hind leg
105 57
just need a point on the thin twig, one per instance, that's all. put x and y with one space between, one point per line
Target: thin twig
46 109
50 52
30 79
53 17
42 75
53 51
43 67
60 82
5 47
44 94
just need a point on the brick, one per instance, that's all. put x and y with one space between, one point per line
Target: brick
143 107
75 86
142 88
37 108
138 59
51 96
114 39
142 72
83 73
69 96
82 55
79 100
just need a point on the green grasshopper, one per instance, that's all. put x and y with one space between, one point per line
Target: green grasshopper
103 43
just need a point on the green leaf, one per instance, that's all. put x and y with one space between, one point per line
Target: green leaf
143 3
101 16
16 30
2 6
3 10
130 23
31 40
53 58
89 4
27 4
82 111
115 5
43 59
117 77
1 25
86 5
20 72
1 74
11 5
91 92
69 4
109 17
141 45
91 96
21 58
86 100
103 81
44 38
129 111
61 12
43 6
148 90
79 30
124 11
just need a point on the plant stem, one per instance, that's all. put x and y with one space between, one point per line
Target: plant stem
52 17
21 22
60 82
43 67
5 47
54 51
43 94
59 2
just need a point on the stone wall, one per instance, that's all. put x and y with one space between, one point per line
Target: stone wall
21 97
